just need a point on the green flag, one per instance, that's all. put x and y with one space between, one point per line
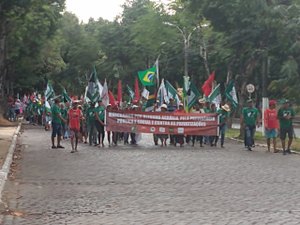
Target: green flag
65 96
231 95
162 94
148 77
49 93
193 96
215 96
172 92
131 92
191 93
47 107
93 92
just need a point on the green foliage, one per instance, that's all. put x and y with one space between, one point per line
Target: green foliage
233 37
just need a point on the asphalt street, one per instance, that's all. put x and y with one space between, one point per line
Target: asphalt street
148 184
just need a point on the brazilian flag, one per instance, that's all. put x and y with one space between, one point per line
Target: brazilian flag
148 77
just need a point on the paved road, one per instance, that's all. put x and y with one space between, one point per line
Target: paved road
150 185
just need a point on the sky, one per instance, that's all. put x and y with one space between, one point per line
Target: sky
107 9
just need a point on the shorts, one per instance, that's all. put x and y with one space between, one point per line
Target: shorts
48 119
270 133
74 133
286 130
56 129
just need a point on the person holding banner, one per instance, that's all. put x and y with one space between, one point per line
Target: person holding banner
179 138
132 134
198 108
163 137
172 107
108 108
156 109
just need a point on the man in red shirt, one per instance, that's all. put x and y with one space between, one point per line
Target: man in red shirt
271 124
74 117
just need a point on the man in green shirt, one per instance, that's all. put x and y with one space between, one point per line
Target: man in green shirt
91 127
223 113
57 119
286 115
99 121
250 119
64 114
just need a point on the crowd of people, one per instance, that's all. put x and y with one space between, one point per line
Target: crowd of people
85 122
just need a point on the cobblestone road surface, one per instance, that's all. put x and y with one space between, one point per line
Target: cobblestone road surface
151 185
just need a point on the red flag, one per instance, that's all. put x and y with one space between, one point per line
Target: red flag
111 98
207 86
137 95
119 99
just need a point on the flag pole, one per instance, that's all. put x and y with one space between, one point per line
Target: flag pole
156 64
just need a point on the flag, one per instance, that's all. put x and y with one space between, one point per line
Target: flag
172 93
119 98
192 96
231 95
131 93
149 105
162 94
104 95
147 77
85 98
100 87
47 107
49 93
65 96
215 96
137 95
207 86
93 93
112 100
145 93
186 92
156 65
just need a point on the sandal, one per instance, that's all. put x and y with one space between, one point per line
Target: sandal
59 146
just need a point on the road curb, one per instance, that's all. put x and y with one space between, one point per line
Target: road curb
261 145
8 160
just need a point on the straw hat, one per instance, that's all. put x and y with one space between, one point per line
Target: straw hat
226 107
202 100
164 106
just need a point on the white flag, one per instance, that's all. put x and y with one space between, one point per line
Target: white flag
104 94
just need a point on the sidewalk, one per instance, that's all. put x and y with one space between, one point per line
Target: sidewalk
8 140
6 136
